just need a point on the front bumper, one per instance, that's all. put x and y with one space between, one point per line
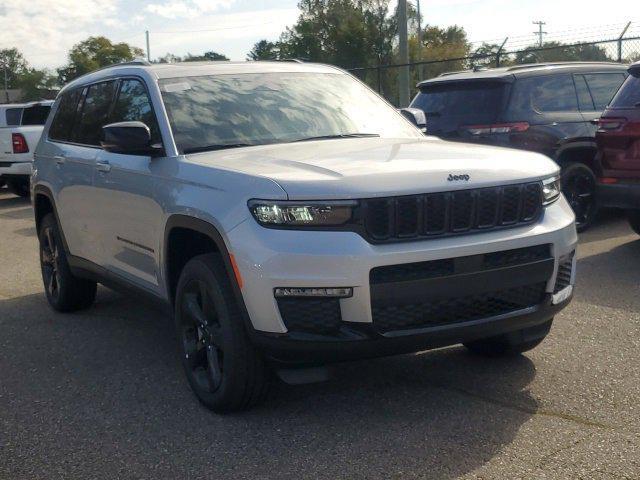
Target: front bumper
619 195
269 258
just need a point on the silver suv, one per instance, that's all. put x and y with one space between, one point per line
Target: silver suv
288 217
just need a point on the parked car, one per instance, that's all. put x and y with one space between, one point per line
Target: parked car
288 216
547 108
618 160
20 129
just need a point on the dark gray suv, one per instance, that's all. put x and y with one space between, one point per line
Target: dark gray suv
545 108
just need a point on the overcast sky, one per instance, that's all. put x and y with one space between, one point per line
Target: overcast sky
44 30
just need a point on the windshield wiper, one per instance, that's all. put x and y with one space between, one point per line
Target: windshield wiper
221 146
340 135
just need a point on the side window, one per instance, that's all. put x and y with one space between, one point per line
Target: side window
547 94
36 115
13 116
629 95
584 97
65 115
603 87
94 114
133 104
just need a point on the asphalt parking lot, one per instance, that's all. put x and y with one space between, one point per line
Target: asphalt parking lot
101 394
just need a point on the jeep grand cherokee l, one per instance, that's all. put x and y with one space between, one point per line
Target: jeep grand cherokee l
288 216
546 108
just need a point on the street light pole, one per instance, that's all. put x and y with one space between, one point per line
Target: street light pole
403 47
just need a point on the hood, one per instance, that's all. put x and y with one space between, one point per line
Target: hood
378 167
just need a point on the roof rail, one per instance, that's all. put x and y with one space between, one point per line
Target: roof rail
446 74
556 64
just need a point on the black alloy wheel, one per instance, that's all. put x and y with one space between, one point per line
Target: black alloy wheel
579 188
49 261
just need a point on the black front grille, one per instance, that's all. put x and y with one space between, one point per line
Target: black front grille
451 213
563 279
310 315
456 309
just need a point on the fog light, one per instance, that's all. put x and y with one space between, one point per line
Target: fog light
335 292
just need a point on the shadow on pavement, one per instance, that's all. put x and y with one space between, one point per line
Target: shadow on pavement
104 389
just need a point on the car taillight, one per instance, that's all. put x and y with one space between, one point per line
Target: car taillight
497 128
19 143
605 124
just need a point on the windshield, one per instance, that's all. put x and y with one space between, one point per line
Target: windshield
211 112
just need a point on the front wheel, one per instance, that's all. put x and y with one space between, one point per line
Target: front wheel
512 343
224 369
579 187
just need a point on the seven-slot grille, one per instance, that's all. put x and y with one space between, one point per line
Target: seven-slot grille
450 213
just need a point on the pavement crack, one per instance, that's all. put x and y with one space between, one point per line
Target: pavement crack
521 408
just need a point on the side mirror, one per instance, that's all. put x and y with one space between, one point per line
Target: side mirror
132 138
415 116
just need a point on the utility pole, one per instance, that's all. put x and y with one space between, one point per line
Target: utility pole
420 69
403 47
146 34
6 82
540 33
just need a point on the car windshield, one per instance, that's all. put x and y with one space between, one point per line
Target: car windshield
226 111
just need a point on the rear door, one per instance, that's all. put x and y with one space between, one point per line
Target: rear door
131 217
595 92
618 134
77 138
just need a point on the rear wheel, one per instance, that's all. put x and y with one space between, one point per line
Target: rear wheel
224 369
579 187
65 292
18 187
633 217
512 343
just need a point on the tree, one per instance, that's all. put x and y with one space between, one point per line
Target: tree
205 57
264 50
94 53
13 62
558 52
35 84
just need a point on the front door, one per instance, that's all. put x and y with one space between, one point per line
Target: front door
131 217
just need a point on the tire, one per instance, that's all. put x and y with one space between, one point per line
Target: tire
510 344
579 187
19 187
223 368
65 292
633 217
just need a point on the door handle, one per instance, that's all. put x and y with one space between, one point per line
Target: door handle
103 166
59 159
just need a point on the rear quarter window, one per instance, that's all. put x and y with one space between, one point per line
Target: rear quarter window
603 87
13 116
629 95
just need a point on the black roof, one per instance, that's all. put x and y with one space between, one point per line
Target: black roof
508 74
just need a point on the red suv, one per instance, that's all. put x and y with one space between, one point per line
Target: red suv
618 140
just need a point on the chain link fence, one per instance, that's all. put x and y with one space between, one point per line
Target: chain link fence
384 78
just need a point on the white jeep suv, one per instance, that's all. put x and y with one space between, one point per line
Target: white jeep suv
289 217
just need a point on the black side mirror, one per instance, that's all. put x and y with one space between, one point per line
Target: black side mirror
132 138
415 116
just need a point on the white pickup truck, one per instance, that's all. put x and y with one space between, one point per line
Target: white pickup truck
20 130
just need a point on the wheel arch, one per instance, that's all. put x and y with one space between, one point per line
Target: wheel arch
582 151
178 224
44 203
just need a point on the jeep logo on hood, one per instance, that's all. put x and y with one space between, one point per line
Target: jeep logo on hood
456 178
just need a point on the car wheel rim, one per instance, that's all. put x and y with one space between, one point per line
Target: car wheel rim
202 336
579 190
49 259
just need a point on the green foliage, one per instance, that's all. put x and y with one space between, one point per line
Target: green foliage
94 53
13 62
205 57
557 52
264 50
20 75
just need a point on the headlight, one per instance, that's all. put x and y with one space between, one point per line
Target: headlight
301 214
550 189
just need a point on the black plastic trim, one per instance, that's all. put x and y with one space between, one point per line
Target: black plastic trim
619 195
